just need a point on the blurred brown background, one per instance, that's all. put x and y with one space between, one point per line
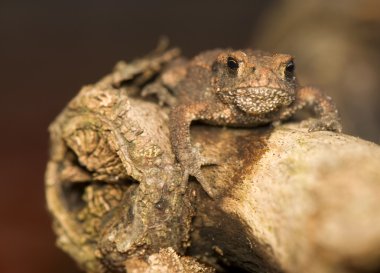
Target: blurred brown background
48 50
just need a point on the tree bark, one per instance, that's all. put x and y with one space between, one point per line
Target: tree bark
287 200
290 200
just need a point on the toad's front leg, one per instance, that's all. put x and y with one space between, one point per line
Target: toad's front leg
327 114
188 156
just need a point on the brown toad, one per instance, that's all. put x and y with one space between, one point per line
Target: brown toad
243 88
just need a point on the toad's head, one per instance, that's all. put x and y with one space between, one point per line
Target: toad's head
254 81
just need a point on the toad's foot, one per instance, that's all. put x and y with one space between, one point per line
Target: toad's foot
325 123
191 166
161 92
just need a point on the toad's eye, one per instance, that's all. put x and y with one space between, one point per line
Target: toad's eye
232 63
289 71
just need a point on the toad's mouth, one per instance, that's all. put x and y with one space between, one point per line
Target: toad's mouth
259 100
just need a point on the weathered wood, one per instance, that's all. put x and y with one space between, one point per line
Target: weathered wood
290 200
287 200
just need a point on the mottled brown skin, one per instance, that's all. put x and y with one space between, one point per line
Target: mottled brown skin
243 88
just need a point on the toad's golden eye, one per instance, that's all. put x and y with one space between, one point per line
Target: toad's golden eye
232 63
289 71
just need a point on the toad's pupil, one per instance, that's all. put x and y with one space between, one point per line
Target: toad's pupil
232 63
290 66
289 70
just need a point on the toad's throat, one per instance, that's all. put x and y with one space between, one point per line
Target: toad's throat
258 100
